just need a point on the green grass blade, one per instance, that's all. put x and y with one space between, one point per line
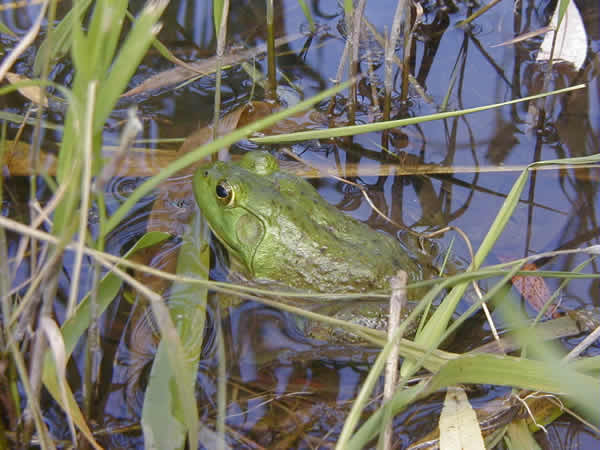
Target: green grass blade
519 436
126 63
562 9
61 37
108 288
497 370
380 126
307 14
5 30
217 14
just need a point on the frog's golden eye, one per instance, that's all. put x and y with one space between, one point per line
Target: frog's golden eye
224 193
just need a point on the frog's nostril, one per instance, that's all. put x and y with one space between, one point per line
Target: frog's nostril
206 173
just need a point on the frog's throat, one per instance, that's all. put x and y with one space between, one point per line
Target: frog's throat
248 240
230 250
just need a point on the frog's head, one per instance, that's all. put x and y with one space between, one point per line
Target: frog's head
230 196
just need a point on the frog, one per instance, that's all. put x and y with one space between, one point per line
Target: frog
278 229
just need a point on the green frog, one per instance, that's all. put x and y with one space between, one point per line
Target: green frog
278 229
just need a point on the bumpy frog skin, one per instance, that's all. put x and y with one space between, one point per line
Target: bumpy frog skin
278 228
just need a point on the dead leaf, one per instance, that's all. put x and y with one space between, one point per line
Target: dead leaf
534 290
139 162
33 93
203 68
495 414
571 39
459 427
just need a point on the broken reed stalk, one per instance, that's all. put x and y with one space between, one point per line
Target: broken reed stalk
479 12
93 333
397 303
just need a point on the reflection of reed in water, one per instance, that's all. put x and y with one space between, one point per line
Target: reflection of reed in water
139 346
368 47
137 350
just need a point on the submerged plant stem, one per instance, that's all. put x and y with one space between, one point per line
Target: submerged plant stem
272 74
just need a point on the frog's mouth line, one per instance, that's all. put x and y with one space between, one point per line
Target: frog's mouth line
223 241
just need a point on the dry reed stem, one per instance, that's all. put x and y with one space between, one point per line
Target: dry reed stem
24 43
397 303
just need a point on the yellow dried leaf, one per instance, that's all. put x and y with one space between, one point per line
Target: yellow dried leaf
33 93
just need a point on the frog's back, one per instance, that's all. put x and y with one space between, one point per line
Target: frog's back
314 246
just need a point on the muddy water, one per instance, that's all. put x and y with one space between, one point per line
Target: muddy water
294 391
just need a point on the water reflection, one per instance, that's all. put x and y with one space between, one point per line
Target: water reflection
283 388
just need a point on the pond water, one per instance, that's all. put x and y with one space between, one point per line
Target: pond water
285 389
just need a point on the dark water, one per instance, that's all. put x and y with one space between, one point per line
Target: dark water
293 386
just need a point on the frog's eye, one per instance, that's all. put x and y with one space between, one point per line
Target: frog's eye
224 193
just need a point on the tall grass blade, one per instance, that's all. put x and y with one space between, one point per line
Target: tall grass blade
62 39
308 15
130 54
380 126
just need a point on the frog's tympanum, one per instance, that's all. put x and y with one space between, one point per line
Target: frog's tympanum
278 228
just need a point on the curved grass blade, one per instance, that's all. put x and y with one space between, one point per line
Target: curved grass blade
492 369
61 39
